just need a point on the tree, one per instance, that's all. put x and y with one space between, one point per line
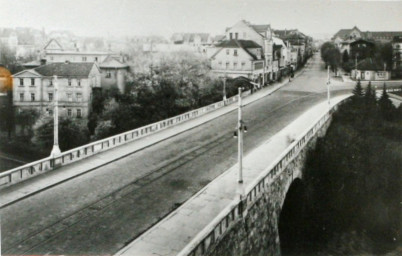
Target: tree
26 119
345 57
331 56
72 133
369 95
387 109
358 91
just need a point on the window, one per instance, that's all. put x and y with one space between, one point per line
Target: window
79 96
22 81
79 114
51 82
50 96
70 96
227 64
235 53
108 74
79 82
69 112
227 51
32 96
32 81
96 58
243 64
234 65
21 96
69 82
84 58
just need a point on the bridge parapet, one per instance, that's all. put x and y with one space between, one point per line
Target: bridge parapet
239 208
29 170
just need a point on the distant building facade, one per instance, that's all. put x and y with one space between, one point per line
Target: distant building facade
34 88
112 66
397 57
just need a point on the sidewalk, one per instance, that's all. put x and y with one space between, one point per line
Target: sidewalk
174 232
47 180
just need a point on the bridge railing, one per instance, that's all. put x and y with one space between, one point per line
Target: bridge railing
234 212
50 163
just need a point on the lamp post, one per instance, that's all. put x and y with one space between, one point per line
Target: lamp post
328 91
239 134
224 88
56 150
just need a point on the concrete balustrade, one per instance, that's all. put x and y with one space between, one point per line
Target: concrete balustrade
29 170
234 212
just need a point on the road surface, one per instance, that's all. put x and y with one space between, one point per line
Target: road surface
101 211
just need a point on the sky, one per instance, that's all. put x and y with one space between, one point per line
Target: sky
164 17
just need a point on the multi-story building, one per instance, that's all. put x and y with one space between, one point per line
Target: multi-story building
112 66
397 57
34 88
236 58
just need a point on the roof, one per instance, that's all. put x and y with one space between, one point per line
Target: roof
244 44
386 34
65 69
260 28
342 33
239 44
358 41
111 62
32 63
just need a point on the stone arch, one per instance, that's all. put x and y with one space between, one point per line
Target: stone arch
290 222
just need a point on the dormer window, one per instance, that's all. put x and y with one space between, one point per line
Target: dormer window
84 58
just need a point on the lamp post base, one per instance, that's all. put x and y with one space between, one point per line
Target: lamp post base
55 151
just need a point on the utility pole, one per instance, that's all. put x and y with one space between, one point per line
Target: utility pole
328 84
56 150
240 140
224 87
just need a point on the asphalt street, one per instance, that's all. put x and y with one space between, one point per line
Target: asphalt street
101 211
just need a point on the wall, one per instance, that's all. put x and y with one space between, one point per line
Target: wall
249 226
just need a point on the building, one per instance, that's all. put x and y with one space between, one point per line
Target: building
198 41
347 36
361 49
112 66
235 58
34 88
397 57
369 70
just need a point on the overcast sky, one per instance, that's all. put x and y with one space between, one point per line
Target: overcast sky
163 17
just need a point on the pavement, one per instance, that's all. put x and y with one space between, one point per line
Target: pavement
47 180
175 231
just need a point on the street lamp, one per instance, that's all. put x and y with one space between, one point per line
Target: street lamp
239 134
56 150
328 91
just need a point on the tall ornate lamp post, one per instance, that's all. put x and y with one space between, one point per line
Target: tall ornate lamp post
56 150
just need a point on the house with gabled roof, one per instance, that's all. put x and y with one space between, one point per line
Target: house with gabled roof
34 88
238 58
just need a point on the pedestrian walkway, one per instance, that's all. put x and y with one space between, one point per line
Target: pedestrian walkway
47 180
174 232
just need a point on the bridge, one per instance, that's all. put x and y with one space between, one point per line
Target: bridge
107 196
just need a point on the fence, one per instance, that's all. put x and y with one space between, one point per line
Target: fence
234 212
47 164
